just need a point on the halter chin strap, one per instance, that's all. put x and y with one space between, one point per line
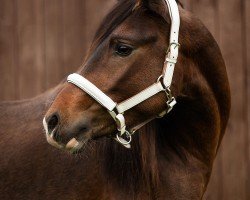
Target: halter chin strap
163 84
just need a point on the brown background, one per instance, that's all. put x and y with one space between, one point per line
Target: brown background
42 41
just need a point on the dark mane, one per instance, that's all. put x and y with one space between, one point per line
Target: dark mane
134 169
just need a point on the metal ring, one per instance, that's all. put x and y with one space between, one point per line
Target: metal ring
159 79
124 142
164 87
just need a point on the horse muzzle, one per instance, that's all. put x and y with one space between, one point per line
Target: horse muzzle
51 126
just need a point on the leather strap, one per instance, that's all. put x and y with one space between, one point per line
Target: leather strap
140 97
172 54
92 90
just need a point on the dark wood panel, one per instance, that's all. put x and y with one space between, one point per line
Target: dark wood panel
39 47
31 66
233 145
53 41
92 19
7 50
74 39
246 7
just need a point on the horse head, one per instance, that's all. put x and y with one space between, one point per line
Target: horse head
127 56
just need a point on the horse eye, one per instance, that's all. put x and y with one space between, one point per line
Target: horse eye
123 50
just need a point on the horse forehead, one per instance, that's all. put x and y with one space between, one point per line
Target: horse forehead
138 25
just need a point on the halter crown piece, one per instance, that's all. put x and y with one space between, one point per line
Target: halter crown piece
163 84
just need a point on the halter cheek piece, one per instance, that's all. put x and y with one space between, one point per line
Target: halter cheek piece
163 84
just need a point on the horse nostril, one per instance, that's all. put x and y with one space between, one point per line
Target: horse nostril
53 122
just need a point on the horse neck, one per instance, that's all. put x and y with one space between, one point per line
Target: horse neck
31 110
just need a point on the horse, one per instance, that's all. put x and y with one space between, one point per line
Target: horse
170 157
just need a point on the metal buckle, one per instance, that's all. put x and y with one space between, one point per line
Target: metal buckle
173 43
171 103
119 120
171 100
159 79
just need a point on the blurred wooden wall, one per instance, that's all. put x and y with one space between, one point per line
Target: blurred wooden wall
229 22
42 41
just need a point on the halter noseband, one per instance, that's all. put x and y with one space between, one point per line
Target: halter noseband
163 84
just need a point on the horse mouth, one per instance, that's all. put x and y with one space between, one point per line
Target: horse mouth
73 146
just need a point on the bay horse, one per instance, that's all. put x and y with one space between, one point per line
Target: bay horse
170 157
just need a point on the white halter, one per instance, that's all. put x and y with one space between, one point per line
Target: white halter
117 110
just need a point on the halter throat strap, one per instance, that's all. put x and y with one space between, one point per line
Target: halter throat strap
162 85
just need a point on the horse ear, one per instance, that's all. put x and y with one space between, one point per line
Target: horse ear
158 6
